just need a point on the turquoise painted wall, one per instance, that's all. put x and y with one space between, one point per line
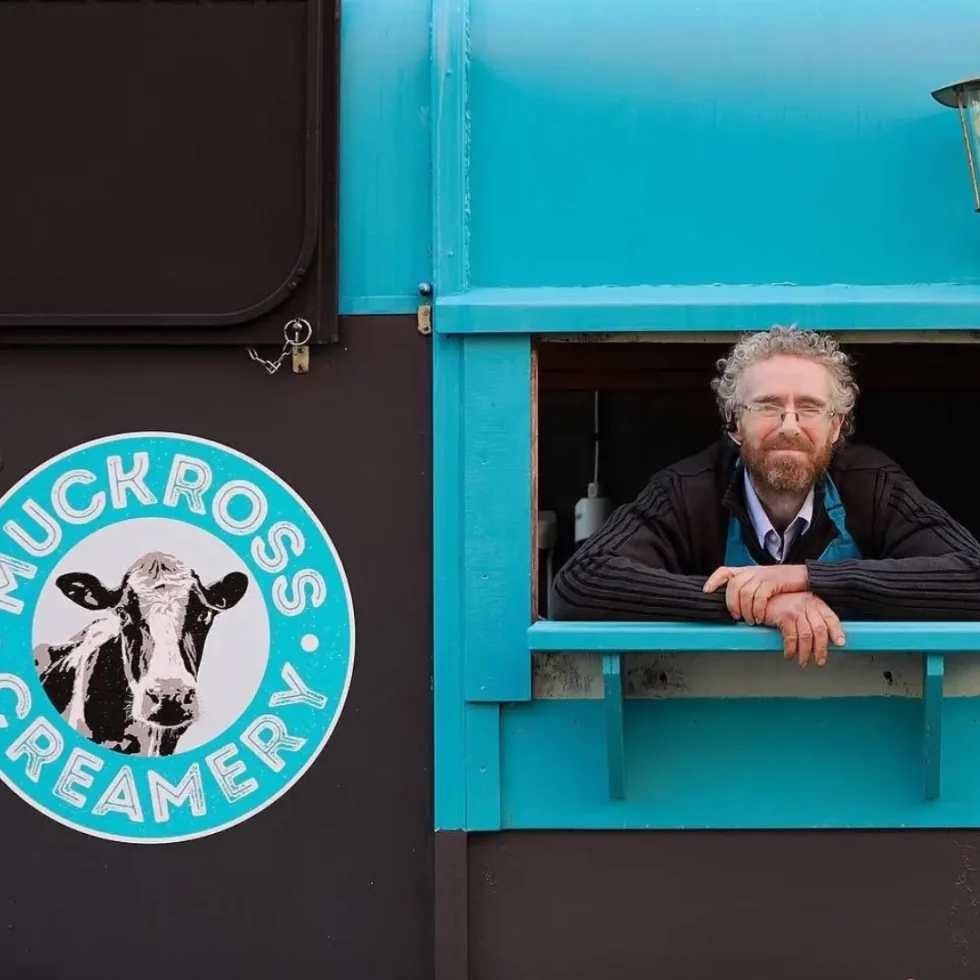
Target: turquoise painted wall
724 141
788 150
385 150
664 142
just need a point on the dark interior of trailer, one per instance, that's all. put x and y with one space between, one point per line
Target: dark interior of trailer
916 403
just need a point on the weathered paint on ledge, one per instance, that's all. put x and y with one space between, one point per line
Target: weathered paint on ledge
749 675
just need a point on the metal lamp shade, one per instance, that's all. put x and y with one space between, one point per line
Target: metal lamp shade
965 96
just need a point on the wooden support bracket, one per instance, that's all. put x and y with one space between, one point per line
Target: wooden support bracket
933 669
612 680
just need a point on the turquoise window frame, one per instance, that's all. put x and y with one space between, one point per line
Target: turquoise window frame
506 761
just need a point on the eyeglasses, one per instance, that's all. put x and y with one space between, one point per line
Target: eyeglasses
776 413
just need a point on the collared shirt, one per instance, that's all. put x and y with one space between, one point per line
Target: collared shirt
769 538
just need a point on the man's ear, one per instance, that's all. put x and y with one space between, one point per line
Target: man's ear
87 591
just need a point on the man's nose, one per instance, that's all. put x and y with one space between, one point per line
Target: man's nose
791 422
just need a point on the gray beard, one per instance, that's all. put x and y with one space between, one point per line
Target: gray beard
787 477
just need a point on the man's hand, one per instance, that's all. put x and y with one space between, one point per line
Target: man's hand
806 622
750 589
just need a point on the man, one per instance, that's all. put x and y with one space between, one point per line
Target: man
781 522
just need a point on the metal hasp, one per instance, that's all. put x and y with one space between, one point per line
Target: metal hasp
965 96
296 340
301 359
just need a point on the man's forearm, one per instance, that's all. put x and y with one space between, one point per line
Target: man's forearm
610 588
944 587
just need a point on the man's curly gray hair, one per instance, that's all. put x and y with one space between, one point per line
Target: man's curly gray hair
790 340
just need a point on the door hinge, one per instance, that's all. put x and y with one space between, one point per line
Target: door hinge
424 312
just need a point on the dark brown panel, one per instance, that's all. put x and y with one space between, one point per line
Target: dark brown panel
700 906
333 879
168 169
451 927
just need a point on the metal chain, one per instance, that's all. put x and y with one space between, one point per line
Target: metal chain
296 333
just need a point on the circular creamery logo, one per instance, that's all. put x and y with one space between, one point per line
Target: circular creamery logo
176 637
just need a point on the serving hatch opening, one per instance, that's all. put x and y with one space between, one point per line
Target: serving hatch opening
655 407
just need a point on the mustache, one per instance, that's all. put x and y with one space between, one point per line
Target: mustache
788 442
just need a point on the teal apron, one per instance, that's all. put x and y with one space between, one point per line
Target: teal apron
842 548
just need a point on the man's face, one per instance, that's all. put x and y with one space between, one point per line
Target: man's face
787 456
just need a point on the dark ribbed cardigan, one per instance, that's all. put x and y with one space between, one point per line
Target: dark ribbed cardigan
651 558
